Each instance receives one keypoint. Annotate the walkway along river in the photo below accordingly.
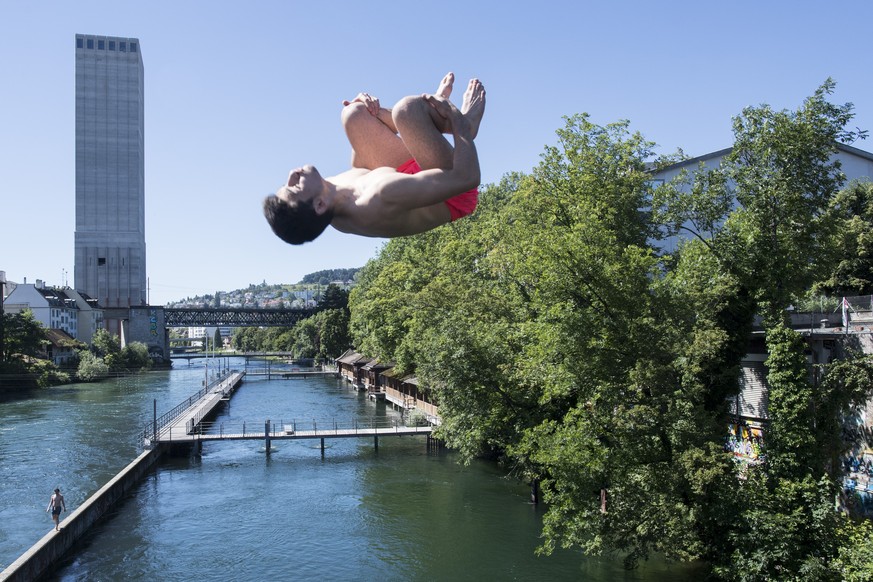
(397, 512)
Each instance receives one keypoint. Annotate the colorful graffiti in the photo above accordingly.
(153, 321)
(858, 483)
(745, 442)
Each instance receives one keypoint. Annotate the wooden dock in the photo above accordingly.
(185, 420)
(186, 424)
(288, 374)
(283, 431)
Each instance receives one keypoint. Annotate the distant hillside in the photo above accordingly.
(328, 275)
(281, 295)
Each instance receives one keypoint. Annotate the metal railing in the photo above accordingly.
(312, 428)
(153, 428)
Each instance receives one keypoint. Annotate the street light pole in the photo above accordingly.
(2, 316)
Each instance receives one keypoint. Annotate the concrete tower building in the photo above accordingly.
(110, 259)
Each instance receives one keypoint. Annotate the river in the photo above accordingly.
(399, 512)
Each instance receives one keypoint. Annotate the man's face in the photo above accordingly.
(304, 184)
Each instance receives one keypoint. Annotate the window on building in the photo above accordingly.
(90, 43)
(80, 43)
(101, 261)
(122, 46)
(133, 47)
(112, 45)
(101, 45)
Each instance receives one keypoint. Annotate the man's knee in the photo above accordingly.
(414, 110)
(409, 108)
(355, 113)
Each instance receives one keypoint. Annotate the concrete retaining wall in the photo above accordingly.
(43, 556)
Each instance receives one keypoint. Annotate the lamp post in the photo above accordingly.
(2, 316)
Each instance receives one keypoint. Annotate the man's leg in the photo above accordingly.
(422, 128)
(374, 144)
(374, 140)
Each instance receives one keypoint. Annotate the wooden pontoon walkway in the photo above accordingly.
(280, 373)
(281, 432)
(186, 424)
(186, 419)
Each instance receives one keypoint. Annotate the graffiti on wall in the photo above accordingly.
(745, 443)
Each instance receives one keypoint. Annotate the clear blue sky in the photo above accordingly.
(238, 93)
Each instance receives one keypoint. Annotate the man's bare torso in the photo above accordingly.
(372, 214)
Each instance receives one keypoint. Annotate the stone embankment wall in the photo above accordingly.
(43, 556)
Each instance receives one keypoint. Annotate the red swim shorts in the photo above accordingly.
(459, 206)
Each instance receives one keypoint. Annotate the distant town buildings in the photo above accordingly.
(66, 314)
(265, 297)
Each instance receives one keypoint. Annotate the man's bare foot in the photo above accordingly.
(473, 107)
(446, 85)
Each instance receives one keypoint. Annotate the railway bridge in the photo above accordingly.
(150, 324)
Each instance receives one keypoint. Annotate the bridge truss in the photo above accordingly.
(206, 317)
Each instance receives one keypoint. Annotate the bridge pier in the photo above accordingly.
(267, 436)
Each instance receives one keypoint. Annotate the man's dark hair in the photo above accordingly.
(295, 224)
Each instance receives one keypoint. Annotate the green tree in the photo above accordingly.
(557, 339)
(853, 270)
(24, 336)
(91, 367)
(334, 334)
(780, 182)
(134, 356)
(245, 339)
(334, 297)
(541, 326)
(306, 339)
(854, 562)
(107, 347)
(21, 363)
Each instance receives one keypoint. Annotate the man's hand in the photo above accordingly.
(371, 102)
(455, 120)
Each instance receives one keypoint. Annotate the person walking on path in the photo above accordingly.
(56, 505)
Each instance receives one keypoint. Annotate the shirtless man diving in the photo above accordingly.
(406, 178)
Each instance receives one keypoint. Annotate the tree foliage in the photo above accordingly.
(852, 273)
(325, 276)
(106, 356)
(324, 335)
(559, 339)
(24, 336)
(91, 367)
(21, 361)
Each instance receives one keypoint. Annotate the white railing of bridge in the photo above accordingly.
(313, 428)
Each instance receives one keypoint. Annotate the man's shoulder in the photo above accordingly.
(349, 176)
